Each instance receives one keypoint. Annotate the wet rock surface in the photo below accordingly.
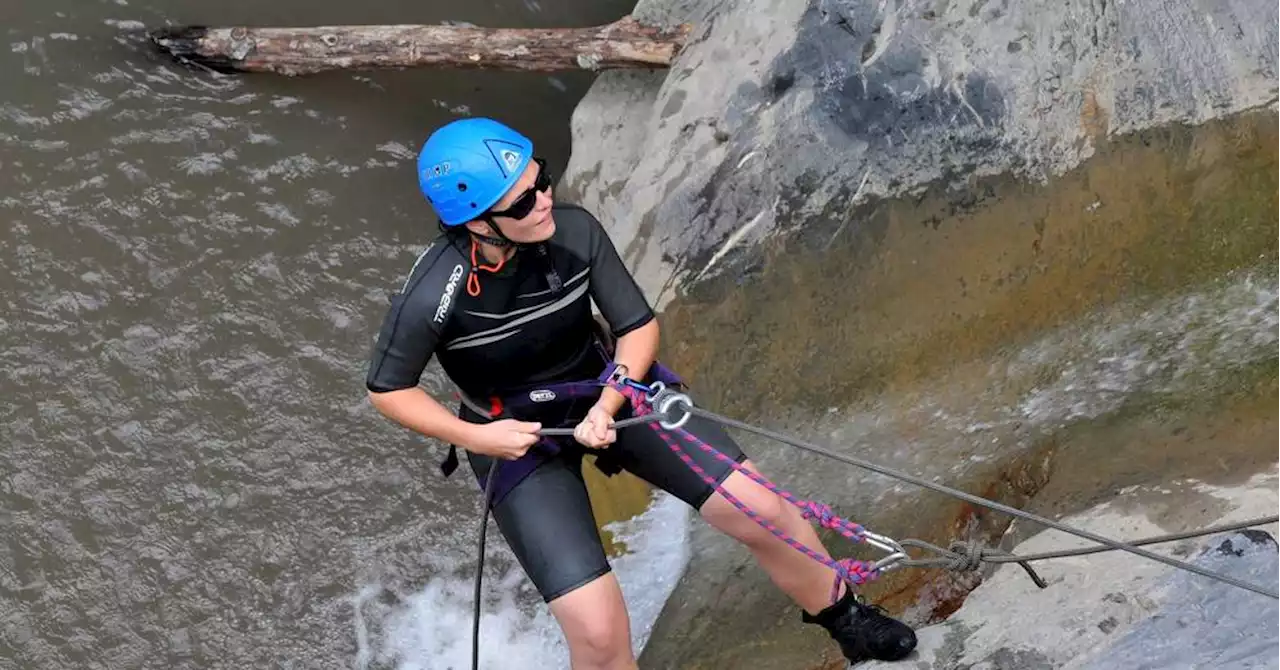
(779, 112)
(969, 240)
(1115, 610)
(1029, 334)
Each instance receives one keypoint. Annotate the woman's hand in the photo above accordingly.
(507, 439)
(595, 430)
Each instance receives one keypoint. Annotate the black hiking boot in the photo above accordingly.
(864, 632)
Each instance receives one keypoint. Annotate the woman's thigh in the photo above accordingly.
(644, 451)
(546, 520)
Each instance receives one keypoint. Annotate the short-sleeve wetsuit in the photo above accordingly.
(530, 325)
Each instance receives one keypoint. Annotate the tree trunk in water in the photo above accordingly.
(299, 51)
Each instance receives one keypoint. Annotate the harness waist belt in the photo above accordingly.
(517, 402)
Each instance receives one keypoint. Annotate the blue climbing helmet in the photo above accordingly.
(468, 165)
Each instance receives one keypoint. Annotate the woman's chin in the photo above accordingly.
(543, 230)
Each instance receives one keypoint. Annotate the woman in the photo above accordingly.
(503, 298)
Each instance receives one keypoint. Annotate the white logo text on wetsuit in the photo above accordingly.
(447, 296)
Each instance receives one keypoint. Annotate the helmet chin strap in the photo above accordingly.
(501, 240)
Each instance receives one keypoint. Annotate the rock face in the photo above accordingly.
(857, 215)
(780, 111)
(1117, 611)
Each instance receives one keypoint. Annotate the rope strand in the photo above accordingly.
(851, 571)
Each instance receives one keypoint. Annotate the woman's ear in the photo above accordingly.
(480, 228)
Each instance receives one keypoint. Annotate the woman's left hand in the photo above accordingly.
(595, 432)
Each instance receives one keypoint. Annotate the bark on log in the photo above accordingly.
(300, 51)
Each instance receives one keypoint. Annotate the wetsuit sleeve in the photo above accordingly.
(613, 289)
(405, 343)
(415, 319)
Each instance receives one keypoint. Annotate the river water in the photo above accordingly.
(194, 270)
(195, 266)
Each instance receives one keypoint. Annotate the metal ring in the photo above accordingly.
(664, 406)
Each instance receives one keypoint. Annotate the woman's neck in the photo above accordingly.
(495, 254)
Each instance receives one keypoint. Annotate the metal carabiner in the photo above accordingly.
(655, 389)
(885, 543)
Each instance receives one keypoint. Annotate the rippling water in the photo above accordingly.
(194, 267)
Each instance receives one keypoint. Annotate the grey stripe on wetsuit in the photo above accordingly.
(508, 329)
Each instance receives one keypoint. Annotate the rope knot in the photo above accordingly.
(854, 572)
(827, 518)
(810, 509)
(858, 572)
(968, 555)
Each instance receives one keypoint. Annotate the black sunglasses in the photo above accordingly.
(521, 206)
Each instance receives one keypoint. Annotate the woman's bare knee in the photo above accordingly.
(603, 640)
(595, 624)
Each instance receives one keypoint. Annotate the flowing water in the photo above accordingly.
(194, 269)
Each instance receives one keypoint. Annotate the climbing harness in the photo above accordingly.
(659, 403)
(517, 403)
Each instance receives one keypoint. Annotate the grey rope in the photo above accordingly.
(492, 476)
(656, 417)
(961, 556)
(633, 421)
(990, 504)
(965, 556)
(972, 554)
(1001, 557)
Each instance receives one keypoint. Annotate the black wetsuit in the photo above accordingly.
(529, 328)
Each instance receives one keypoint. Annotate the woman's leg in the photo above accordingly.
(807, 581)
(546, 520)
(595, 624)
(643, 451)
(861, 631)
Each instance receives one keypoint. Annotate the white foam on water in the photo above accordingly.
(397, 150)
(431, 629)
(125, 24)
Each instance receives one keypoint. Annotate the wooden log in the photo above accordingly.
(300, 51)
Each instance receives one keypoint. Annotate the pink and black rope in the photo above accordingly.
(849, 570)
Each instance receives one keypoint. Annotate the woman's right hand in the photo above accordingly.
(507, 439)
